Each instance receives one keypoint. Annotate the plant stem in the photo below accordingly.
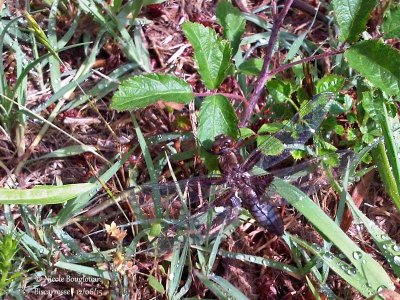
(259, 86)
(307, 59)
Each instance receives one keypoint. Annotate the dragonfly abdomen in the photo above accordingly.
(268, 217)
(265, 213)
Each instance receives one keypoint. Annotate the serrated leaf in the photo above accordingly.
(377, 62)
(252, 66)
(352, 16)
(45, 194)
(246, 132)
(211, 54)
(155, 284)
(330, 83)
(144, 90)
(280, 90)
(391, 23)
(232, 21)
(217, 116)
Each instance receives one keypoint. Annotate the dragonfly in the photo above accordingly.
(243, 185)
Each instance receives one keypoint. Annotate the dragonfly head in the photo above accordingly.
(223, 144)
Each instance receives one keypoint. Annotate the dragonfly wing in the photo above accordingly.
(292, 134)
(195, 188)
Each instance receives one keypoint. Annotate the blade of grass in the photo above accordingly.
(332, 232)
(42, 195)
(177, 264)
(393, 156)
(388, 247)
(66, 215)
(150, 167)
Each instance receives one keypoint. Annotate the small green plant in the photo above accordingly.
(9, 247)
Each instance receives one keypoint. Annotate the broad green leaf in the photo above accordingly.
(280, 90)
(352, 16)
(252, 66)
(216, 116)
(45, 194)
(211, 54)
(232, 21)
(391, 23)
(377, 62)
(144, 90)
(155, 284)
(330, 83)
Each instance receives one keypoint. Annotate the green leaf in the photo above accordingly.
(377, 62)
(232, 21)
(246, 132)
(144, 90)
(155, 230)
(391, 23)
(45, 194)
(216, 116)
(352, 16)
(369, 104)
(330, 83)
(252, 66)
(351, 134)
(280, 90)
(211, 54)
(339, 129)
(155, 284)
(275, 146)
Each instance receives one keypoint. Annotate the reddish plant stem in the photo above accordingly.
(307, 59)
(227, 95)
(259, 86)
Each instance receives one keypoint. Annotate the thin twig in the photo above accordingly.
(259, 86)
(307, 59)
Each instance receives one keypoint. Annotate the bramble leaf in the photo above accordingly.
(377, 62)
(211, 54)
(144, 90)
(352, 16)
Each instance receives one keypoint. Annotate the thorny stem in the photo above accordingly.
(259, 87)
(307, 59)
